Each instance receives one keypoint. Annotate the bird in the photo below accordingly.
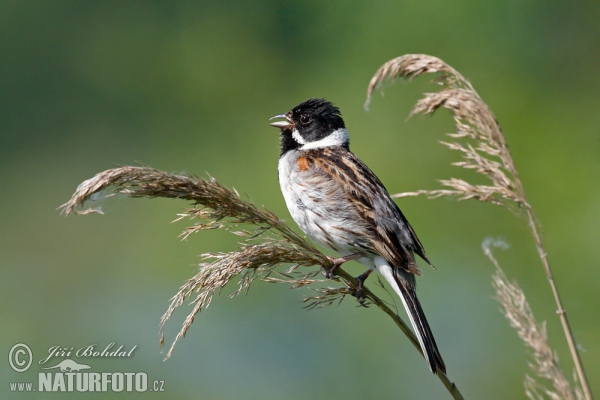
(340, 203)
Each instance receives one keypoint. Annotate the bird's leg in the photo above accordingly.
(360, 287)
(337, 262)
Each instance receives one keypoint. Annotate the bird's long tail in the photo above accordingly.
(405, 286)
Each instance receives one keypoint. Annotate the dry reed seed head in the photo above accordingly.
(411, 66)
(520, 316)
(473, 119)
(327, 297)
(251, 262)
(217, 207)
(488, 153)
(214, 203)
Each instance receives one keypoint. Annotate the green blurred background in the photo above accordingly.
(189, 86)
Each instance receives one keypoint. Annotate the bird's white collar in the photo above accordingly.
(338, 137)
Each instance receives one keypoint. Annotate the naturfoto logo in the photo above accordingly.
(63, 374)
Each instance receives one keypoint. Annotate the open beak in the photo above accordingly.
(281, 124)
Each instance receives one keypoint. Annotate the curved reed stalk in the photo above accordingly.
(483, 148)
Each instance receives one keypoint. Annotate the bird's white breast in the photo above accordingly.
(315, 206)
(286, 177)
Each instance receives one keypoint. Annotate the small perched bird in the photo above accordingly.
(340, 203)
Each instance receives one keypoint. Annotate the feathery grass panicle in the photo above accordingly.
(215, 201)
(216, 207)
(269, 244)
(478, 138)
(250, 262)
(545, 361)
(326, 297)
(483, 148)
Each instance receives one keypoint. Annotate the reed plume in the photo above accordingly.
(482, 145)
(516, 309)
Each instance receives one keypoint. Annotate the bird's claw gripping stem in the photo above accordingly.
(358, 293)
(336, 262)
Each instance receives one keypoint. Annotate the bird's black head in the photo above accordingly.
(312, 124)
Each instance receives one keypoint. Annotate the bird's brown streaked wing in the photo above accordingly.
(389, 233)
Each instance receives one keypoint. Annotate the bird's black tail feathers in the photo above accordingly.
(407, 291)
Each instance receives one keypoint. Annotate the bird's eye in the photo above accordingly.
(305, 119)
